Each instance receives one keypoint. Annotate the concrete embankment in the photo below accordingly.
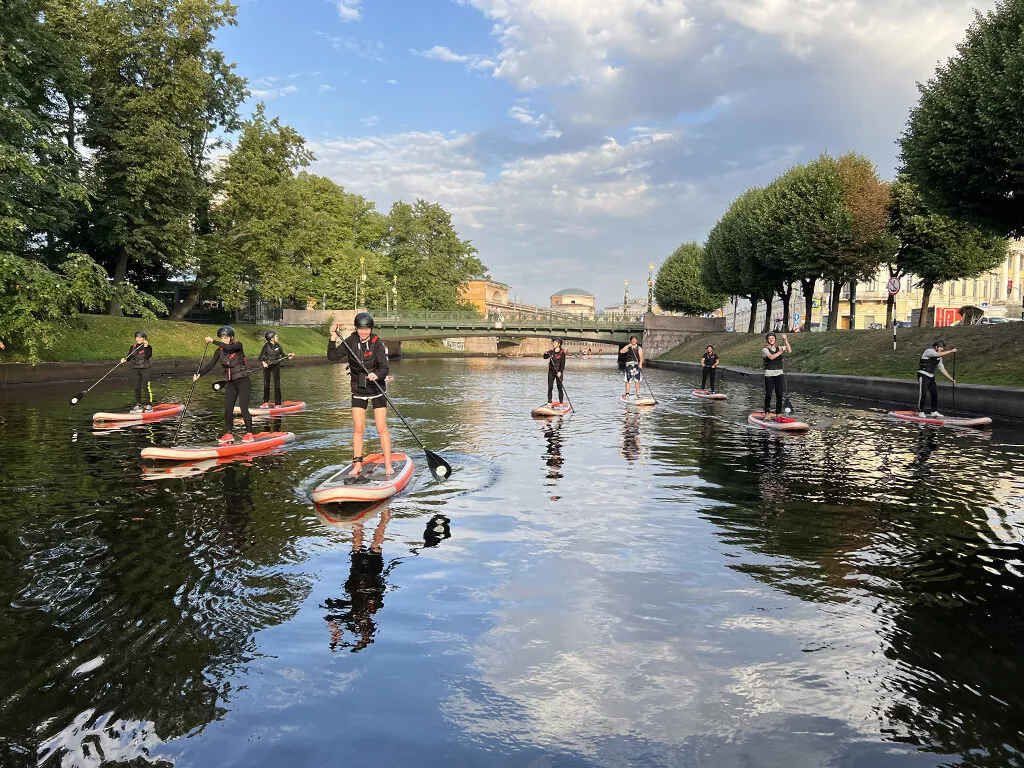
(1002, 402)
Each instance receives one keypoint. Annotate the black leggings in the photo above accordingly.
(274, 372)
(237, 390)
(552, 380)
(704, 377)
(927, 384)
(773, 383)
(141, 377)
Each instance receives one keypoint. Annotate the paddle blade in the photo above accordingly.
(218, 385)
(75, 400)
(787, 406)
(439, 468)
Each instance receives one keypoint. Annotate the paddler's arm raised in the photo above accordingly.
(335, 350)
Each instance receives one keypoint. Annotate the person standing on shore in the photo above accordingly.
(771, 357)
(634, 358)
(931, 361)
(139, 359)
(231, 357)
(709, 364)
(368, 369)
(556, 367)
(271, 357)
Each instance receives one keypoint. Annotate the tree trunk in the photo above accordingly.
(119, 272)
(853, 305)
(926, 297)
(768, 312)
(808, 288)
(833, 312)
(179, 312)
(753, 313)
(890, 308)
(787, 294)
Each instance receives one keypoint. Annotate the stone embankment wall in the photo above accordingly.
(665, 332)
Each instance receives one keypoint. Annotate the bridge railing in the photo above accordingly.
(462, 319)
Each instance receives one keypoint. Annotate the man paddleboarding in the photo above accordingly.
(139, 359)
(556, 367)
(771, 358)
(708, 364)
(368, 368)
(634, 358)
(231, 357)
(931, 361)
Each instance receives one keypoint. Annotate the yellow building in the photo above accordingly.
(575, 300)
(485, 295)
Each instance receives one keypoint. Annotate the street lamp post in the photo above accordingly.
(625, 299)
(650, 288)
(394, 293)
(362, 277)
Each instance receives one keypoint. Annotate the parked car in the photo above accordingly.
(902, 323)
(875, 326)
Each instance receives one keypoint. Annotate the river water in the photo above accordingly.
(666, 587)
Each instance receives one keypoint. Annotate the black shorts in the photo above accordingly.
(369, 401)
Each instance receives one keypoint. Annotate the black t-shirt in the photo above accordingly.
(710, 359)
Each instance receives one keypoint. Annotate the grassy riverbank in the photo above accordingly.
(988, 354)
(108, 338)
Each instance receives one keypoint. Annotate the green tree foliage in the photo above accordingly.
(159, 93)
(962, 146)
(678, 287)
(936, 248)
(431, 261)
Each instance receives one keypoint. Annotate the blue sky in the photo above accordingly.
(576, 142)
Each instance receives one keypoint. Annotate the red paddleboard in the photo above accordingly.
(941, 421)
(288, 406)
(779, 423)
(158, 412)
(548, 410)
(262, 442)
(707, 394)
(369, 485)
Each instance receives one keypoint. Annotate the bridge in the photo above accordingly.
(417, 325)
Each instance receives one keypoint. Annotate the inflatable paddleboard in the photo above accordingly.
(547, 410)
(639, 400)
(941, 421)
(707, 394)
(369, 485)
(288, 406)
(159, 412)
(344, 514)
(779, 423)
(262, 442)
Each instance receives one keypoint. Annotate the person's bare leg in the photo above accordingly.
(358, 426)
(380, 418)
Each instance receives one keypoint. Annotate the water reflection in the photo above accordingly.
(553, 453)
(630, 447)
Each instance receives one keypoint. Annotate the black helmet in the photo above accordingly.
(769, 335)
(938, 343)
(141, 335)
(364, 320)
(557, 340)
(225, 330)
(269, 335)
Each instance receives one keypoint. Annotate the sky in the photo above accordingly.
(577, 141)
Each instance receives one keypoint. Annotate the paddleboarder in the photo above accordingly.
(231, 357)
(634, 358)
(709, 364)
(556, 367)
(139, 362)
(271, 357)
(368, 383)
(771, 357)
(931, 361)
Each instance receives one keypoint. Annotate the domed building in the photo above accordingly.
(575, 300)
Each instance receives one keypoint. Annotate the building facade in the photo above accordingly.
(575, 300)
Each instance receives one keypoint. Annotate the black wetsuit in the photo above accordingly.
(141, 368)
(773, 382)
(231, 359)
(374, 358)
(272, 355)
(556, 366)
(710, 360)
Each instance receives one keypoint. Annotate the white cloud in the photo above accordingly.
(370, 121)
(442, 53)
(363, 49)
(273, 93)
(324, 88)
(392, 82)
(522, 115)
(348, 10)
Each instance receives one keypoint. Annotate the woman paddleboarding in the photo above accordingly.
(230, 356)
(271, 356)
(556, 368)
(771, 356)
(709, 364)
(139, 359)
(368, 368)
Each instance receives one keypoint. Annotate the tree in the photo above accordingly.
(678, 287)
(936, 248)
(962, 145)
(159, 96)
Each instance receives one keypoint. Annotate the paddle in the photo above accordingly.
(187, 399)
(787, 407)
(642, 377)
(217, 386)
(953, 409)
(77, 398)
(439, 468)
